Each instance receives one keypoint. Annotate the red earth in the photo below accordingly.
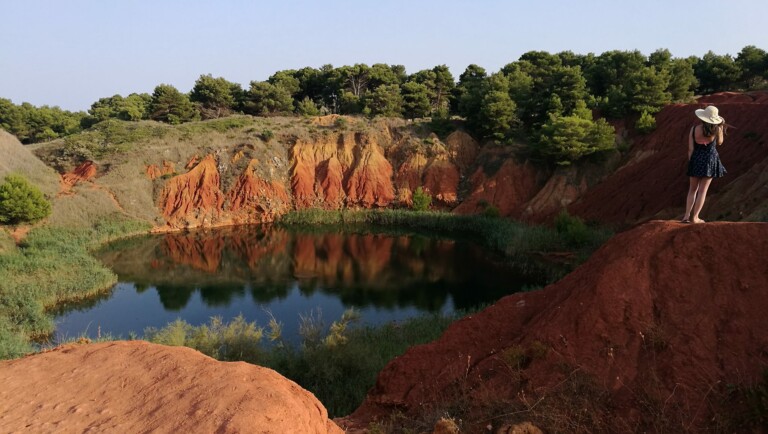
(141, 387)
(650, 330)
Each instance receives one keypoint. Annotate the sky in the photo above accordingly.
(71, 53)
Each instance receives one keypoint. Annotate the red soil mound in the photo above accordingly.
(508, 189)
(653, 182)
(84, 172)
(254, 200)
(661, 318)
(437, 174)
(463, 149)
(142, 387)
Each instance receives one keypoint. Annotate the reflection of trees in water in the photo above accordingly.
(174, 297)
(362, 269)
(221, 295)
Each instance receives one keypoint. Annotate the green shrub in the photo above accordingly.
(51, 266)
(236, 340)
(7, 243)
(307, 107)
(421, 200)
(491, 211)
(646, 123)
(13, 342)
(572, 228)
(21, 202)
(338, 364)
(267, 135)
(566, 139)
(341, 123)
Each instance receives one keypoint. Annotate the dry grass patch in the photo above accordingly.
(16, 158)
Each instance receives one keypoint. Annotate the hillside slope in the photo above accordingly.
(17, 158)
(250, 170)
(648, 333)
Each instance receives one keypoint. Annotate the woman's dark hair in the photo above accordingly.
(708, 129)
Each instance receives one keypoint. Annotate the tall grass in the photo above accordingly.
(338, 364)
(506, 236)
(51, 266)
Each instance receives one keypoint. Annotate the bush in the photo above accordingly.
(338, 364)
(21, 202)
(572, 229)
(51, 266)
(267, 135)
(421, 200)
(341, 123)
(646, 123)
(307, 107)
(491, 211)
(236, 340)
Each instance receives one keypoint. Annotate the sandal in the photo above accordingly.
(685, 221)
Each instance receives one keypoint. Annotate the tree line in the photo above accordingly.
(549, 100)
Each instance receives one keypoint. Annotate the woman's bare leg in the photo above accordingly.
(701, 195)
(693, 185)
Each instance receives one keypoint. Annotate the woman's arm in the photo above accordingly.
(690, 143)
(719, 133)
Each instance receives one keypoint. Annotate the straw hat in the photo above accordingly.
(709, 115)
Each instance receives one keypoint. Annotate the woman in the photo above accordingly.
(703, 160)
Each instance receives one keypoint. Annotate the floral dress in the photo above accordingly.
(705, 161)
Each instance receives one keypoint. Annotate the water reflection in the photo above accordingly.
(361, 269)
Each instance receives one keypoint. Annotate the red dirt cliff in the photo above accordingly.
(663, 313)
(194, 198)
(349, 170)
(82, 173)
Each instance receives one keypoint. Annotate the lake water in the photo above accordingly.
(260, 271)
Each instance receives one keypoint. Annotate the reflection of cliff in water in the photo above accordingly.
(361, 269)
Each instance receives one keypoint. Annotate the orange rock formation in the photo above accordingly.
(438, 168)
(84, 172)
(154, 172)
(254, 200)
(195, 198)
(508, 189)
(351, 170)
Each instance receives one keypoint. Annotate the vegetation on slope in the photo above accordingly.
(51, 266)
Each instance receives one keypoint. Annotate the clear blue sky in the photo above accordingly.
(71, 52)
